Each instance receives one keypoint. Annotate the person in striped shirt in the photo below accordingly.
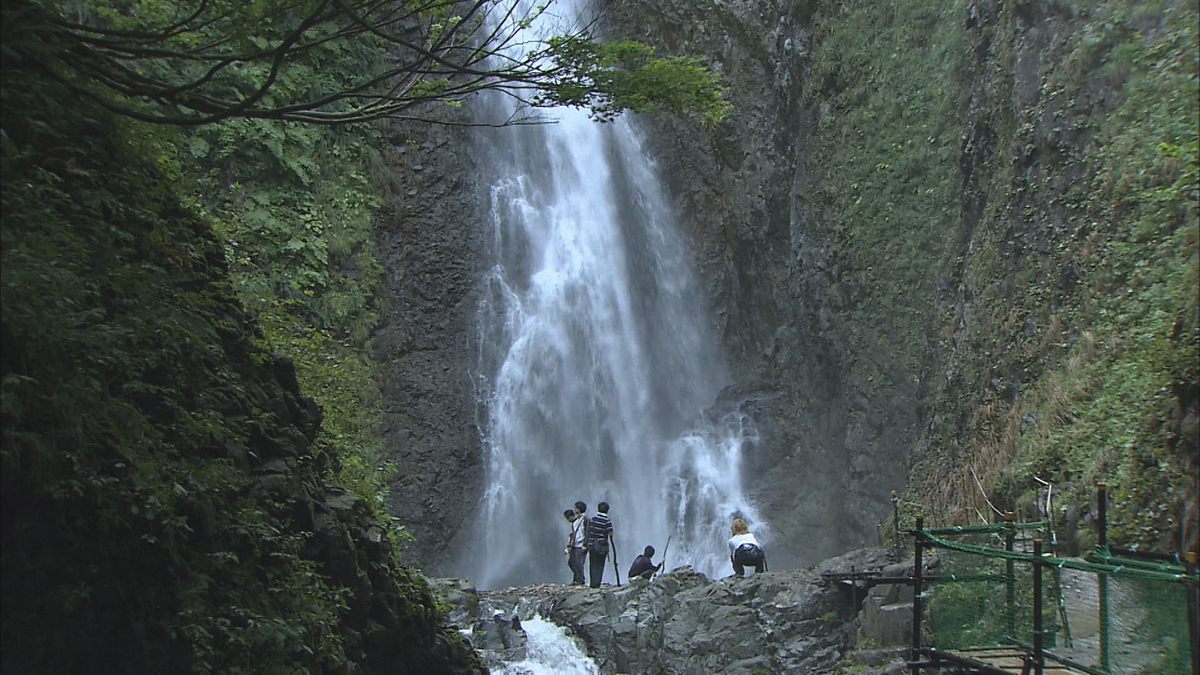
(600, 532)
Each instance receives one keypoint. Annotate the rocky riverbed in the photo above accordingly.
(683, 623)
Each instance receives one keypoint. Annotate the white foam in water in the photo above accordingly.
(550, 651)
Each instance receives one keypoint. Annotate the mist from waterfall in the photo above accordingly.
(596, 362)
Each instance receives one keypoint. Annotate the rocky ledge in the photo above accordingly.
(791, 621)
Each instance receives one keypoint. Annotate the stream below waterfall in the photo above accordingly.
(549, 650)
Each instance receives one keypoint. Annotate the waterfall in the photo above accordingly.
(596, 361)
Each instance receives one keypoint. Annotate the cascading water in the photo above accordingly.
(550, 650)
(596, 361)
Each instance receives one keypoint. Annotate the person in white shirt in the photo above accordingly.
(578, 545)
(569, 514)
(745, 551)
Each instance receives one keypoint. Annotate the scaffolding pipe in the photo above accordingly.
(1193, 608)
(895, 527)
(1009, 576)
(1102, 581)
(918, 542)
(1039, 656)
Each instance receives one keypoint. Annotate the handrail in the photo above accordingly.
(1123, 569)
(993, 528)
(1103, 561)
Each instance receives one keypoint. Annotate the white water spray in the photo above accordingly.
(596, 362)
(550, 651)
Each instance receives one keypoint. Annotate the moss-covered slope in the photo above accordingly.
(163, 505)
(954, 246)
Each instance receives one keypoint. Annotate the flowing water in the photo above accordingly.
(550, 650)
(596, 361)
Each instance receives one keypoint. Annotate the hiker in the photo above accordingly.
(600, 532)
(578, 544)
(569, 515)
(643, 566)
(745, 550)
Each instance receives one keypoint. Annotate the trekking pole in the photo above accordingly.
(662, 564)
(616, 570)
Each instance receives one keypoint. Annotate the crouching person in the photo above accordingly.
(745, 551)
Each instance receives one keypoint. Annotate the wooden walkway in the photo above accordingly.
(997, 661)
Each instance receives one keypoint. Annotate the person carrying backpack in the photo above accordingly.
(600, 532)
(745, 551)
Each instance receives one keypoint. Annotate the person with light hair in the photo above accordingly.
(745, 551)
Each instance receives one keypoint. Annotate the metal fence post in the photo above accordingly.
(1102, 580)
(1193, 606)
(918, 542)
(895, 527)
(1039, 658)
(1010, 536)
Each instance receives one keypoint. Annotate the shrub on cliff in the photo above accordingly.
(163, 509)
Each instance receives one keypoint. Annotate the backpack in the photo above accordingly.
(597, 536)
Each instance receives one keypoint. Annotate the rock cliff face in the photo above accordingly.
(911, 228)
(838, 412)
(432, 250)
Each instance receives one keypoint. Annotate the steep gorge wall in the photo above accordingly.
(913, 229)
(166, 507)
(798, 307)
(947, 255)
(433, 248)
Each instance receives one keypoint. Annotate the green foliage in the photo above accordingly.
(126, 402)
(1107, 399)
(198, 62)
(163, 504)
(888, 136)
(1083, 332)
(610, 77)
(1064, 216)
(299, 232)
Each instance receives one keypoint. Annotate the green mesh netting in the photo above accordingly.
(1105, 614)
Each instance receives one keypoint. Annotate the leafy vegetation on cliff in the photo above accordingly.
(1037, 195)
(164, 508)
(294, 207)
(130, 397)
(892, 107)
(1119, 345)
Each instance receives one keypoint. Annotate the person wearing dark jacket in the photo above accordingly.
(643, 566)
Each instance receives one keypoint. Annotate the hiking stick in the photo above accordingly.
(662, 564)
(616, 570)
